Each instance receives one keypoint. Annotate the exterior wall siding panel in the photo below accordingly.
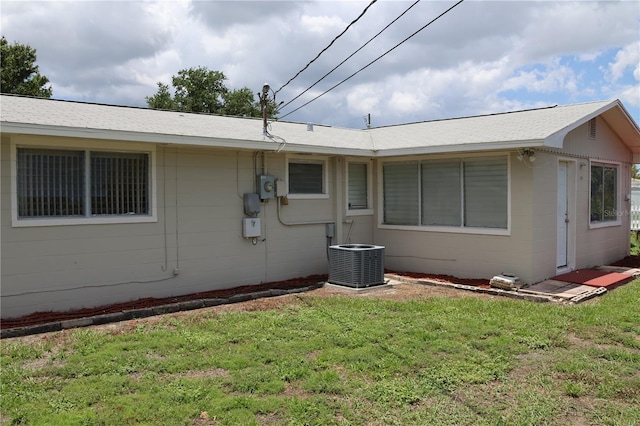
(199, 196)
(199, 176)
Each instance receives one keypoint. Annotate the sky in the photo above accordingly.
(481, 57)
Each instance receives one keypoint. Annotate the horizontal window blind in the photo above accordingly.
(306, 177)
(358, 186)
(441, 193)
(485, 192)
(468, 192)
(50, 183)
(401, 205)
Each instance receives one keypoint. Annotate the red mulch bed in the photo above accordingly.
(47, 317)
(629, 262)
(148, 302)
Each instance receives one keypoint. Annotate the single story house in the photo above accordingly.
(103, 204)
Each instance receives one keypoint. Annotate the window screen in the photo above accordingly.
(119, 183)
(50, 183)
(55, 182)
(306, 177)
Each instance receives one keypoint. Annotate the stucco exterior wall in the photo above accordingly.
(530, 249)
(468, 255)
(195, 245)
(588, 246)
(598, 246)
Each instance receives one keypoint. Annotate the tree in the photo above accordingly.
(199, 90)
(19, 72)
(162, 99)
(202, 90)
(241, 102)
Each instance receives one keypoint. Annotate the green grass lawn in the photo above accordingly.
(635, 244)
(340, 360)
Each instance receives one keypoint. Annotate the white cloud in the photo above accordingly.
(484, 56)
(364, 99)
(322, 25)
(549, 78)
(402, 102)
(630, 96)
(627, 57)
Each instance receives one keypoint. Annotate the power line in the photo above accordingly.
(374, 61)
(326, 48)
(350, 56)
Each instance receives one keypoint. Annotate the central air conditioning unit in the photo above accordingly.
(356, 265)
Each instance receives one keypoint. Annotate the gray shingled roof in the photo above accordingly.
(530, 128)
(77, 119)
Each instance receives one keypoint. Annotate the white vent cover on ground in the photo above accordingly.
(356, 265)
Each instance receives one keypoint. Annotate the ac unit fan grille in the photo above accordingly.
(356, 265)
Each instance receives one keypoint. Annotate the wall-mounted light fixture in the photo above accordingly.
(527, 154)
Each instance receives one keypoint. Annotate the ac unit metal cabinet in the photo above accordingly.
(356, 265)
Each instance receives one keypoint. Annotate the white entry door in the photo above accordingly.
(563, 215)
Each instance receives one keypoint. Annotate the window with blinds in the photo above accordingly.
(119, 183)
(50, 183)
(357, 186)
(400, 198)
(485, 192)
(468, 192)
(441, 195)
(306, 177)
(72, 183)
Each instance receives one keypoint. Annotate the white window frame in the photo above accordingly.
(71, 144)
(369, 209)
(618, 167)
(446, 229)
(311, 159)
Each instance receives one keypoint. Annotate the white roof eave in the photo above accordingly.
(442, 149)
(556, 140)
(176, 139)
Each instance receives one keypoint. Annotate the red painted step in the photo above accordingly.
(595, 278)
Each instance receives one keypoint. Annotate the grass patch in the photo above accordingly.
(340, 360)
(635, 244)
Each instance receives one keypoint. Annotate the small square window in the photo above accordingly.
(307, 177)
